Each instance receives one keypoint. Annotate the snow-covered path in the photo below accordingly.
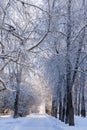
(32, 122)
(40, 122)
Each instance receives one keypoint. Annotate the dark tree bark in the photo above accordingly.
(82, 83)
(63, 109)
(79, 102)
(18, 80)
(60, 107)
(71, 110)
(69, 107)
(83, 112)
(16, 105)
(76, 96)
(54, 108)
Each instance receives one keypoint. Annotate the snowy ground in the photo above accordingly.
(40, 122)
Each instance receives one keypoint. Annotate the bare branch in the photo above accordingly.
(79, 33)
(45, 35)
(41, 40)
(5, 86)
(2, 68)
(13, 33)
(25, 3)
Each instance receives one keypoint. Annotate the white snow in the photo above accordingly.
(40, 122)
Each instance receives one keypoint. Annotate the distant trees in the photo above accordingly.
(56, 69)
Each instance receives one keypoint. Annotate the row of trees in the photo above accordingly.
(44, 44)
(22, 29)
(69, 62)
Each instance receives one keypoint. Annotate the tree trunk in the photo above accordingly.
(78, 111)
(76, 97)
(16, 105)
(63, 109)
(82, 82)
(71, 110)
(18, 80)
(83, 112)
(60, 107)
(54, 108)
